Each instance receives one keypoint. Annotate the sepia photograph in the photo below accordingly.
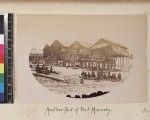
(79, 70)
(86, 56)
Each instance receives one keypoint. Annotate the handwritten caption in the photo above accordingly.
(146, 110)
(76, 110)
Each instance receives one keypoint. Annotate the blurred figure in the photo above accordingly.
(108, 76)
(85, 75)
(81, 81)
(98, 75)
(119, 76)
(104, 76)
(82, 74)
(93, 75)
(89, 76)
(115, 76)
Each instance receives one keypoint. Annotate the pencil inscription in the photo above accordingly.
(77, 110)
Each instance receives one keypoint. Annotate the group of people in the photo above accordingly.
(100, 75)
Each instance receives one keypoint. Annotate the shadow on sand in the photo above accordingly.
(95, 94)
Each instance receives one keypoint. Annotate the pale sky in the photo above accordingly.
(38, 30)
(44, 29)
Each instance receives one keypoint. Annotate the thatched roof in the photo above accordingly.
(116, 49)
(57, 47)
(76, 48)
(57, 44)
(100, 45)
